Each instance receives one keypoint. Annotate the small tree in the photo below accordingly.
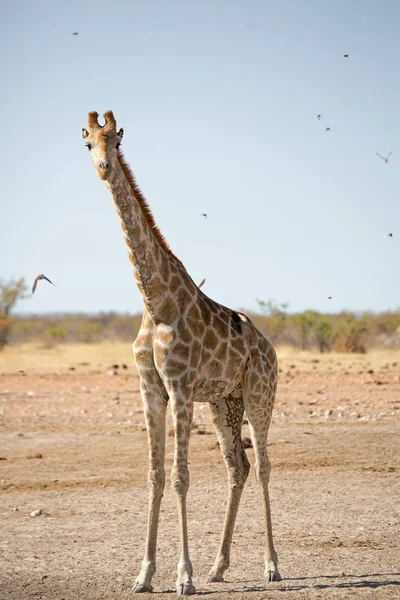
(355, 338)
(305, 322)
(276, 317)
(350, 334)
(324, 333)
(10, 293)
(55, 334)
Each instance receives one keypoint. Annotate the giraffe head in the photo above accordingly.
(103, 142)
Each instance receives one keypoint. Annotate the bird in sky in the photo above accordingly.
(390, 235)
(329, 297)
(346, 55)
(328, 129)
(76, 33)
(204, 215)
(38, 278)
(385, 159)
(201, 283)
(319, 117)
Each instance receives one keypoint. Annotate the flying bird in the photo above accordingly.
(329, 297)
(201, 283)
(385, 159)
(76, 33)
(204, 215)
(390, 235)
(328, 129)
(38, 278)
(319, 117)
(346, 55)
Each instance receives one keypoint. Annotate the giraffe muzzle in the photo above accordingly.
(103, 170)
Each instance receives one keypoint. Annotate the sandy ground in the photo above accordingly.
(73, 443)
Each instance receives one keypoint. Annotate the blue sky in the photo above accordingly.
(219, 102)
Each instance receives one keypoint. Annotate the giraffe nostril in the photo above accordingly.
(104, 165)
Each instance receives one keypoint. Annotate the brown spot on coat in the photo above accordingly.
(239, 345)
(196, 327)
(194, 313)
(183, 298)
(210, 340)
(205, 355)
(174, 368)
(174, 283)
(205, 311)
(220, 326)
(169, 308)
(184, 332)
(181, 350)
(195, 354)
(222, 352)
(217, 370)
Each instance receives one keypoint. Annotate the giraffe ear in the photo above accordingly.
(85, 133)
(121, 133)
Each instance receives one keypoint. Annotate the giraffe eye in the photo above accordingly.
(118, 145)
(89, 147)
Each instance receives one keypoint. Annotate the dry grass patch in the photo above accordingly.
(34, 358)
(377, 359)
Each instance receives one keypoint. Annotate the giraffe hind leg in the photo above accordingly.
(227, 415)
(258, 404)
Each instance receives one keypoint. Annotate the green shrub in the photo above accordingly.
(305, 322)
(88, 332)
(323, 333)
(55, 334)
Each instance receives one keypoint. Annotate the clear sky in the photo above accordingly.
(219, 102)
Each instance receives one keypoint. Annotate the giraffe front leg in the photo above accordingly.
(155, 412)
(182, 412)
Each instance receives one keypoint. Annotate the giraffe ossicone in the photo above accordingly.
(189, 348)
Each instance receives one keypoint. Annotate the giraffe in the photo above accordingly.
(189, 348)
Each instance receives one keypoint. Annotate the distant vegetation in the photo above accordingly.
(71, 328)
(343, 332)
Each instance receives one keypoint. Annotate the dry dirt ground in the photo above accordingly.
(73, 443)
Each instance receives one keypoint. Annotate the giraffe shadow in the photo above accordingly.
(290, 585)
(319, 582)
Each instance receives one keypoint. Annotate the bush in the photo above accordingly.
(55, 334)
(276, 317)
(350, 334)
(323, 333)
(305, 322)
(88, 332)
(10, 293)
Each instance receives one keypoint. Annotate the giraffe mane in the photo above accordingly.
(131, 179)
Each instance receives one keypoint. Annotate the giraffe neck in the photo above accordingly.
(157, 271)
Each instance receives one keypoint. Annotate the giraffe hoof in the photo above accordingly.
(185, 589)
(138, 588)
(215, 578)
(272, 576)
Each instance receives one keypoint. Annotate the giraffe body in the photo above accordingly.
(189, 348)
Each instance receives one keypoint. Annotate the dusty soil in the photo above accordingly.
(73, 443)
